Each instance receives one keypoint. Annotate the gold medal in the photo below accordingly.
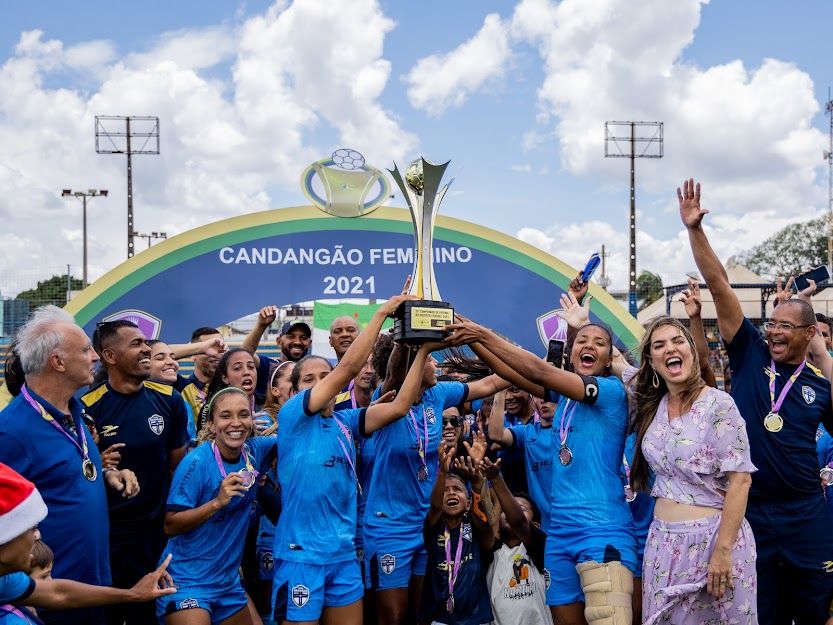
(88, 469)
(773, 422)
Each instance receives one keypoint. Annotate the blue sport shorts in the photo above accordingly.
(301, 591)
(391, 561)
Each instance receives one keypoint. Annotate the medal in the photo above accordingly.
(773, 422)
(565, 454)
(826, 475)
(449, 605)
(422, 474)
(248, 476)
(88, 469)
(452, 566)
(630, 495)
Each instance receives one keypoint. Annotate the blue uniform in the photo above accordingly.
(642, 508)
(206, 559)
(315, 553)
(824, 449)
(15, 587)
(265, 543)
(513, 465)
(398, 501)
(590, 519)
(41, 454)
(786, 508)
(536, 444)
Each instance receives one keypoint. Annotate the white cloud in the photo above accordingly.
(441, 81)
(239, 107)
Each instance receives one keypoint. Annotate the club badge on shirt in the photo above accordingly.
(156, 423)
(808, 394)
(300, 595)
(387, 563)
(188, 604)
(430, 415)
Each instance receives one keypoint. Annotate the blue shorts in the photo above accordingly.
(265, 564)
(569, 546)
(221, 602)
(301, 591)
(391, 561)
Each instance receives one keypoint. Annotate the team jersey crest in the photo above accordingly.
(300, 595)
(157, 424)
(387, 563)
(808, 394)
(187, 604)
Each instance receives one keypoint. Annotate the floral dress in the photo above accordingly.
(690, 456)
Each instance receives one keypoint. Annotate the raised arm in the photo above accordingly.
(381, 414)
(693, 305)
(497, 432)
(525, 363)
(729, 311)
(211, 347)
(505, 372)
(435, 508)
(265, 318)
(354, 359)
(511, 508)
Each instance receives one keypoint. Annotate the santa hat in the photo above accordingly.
(21, 506)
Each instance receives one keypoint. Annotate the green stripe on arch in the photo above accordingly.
(244, 229)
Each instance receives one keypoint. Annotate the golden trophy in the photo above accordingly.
(424, 319)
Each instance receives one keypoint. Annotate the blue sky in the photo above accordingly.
(514, 93)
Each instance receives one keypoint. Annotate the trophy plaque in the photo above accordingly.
(424, 319)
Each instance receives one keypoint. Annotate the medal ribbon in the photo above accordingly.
(219, 460)
(627, 469)
(776, 406)
(51, 420)
(563, 432)
(352, 394)
(455, 564)
(419, 440)
(348, 456)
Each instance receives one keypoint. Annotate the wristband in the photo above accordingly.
(476, 508)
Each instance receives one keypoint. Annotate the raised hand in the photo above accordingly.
(807, 294)
(489, 469)
(407, 285)
(574, 313)
(785, 293)
(267, 316)
(477, 450)
(578, 288)
(464, 332)
(691, 299)
(446, 458)
(390, 306)
(232, 486)
(689, 199)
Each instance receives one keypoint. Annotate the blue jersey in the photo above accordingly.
(366, 454)
(642, 508)
(536, 444)
(397, 499)
(824, 449)
(786, 460)
(318, 487)
(151, 423)
(15, 587)
(588, 491)
(209, 555)
(77, 527)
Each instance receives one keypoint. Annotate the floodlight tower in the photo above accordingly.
(828, 156)
(647, 144)
(115, 135)
(83, 196)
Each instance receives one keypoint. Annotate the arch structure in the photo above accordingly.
(223, 271)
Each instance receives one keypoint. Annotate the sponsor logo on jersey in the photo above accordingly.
(387, 563)
(156, 423)
(188, 604)
(808, 394)
(300, 595)
(109, 430)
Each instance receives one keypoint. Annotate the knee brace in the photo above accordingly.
(607, 593)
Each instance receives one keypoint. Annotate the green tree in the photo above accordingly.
(790, 251)
(648, 288)
(51, 291)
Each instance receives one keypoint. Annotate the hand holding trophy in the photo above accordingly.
(424, 319)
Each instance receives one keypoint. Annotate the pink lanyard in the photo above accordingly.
(352, 394)
(348, 456)
(13, 610)
(453, 566)
(776, 406)
(219, 460)
(51, 420)
(422, 445)
(563, 431)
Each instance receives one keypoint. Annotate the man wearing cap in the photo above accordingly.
(294, 341)
(43, 437)
(21, 510)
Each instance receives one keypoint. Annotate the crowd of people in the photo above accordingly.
(494, 487)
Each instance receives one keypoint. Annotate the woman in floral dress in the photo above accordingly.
(700, 554)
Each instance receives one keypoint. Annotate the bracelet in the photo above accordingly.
(107, 470)
(476, 508)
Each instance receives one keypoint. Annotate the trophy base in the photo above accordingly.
(419, 321)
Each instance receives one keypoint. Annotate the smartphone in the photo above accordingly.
(817, 275)
(590, 267)
(555, 352)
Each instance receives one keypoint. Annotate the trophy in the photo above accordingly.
(422, 320)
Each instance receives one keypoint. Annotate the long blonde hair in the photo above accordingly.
(648, 396)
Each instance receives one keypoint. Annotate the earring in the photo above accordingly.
(655, 381)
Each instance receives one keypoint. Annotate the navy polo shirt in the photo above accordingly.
(151, 423)
(787, 462)
(77, 526)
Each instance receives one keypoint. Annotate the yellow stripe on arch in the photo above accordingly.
(245, 228)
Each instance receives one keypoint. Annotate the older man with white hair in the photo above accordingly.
(43, 437)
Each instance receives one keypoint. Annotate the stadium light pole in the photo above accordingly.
(647, 144)
(828, 156)
(83, 196)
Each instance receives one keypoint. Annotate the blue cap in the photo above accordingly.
(295, 322)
